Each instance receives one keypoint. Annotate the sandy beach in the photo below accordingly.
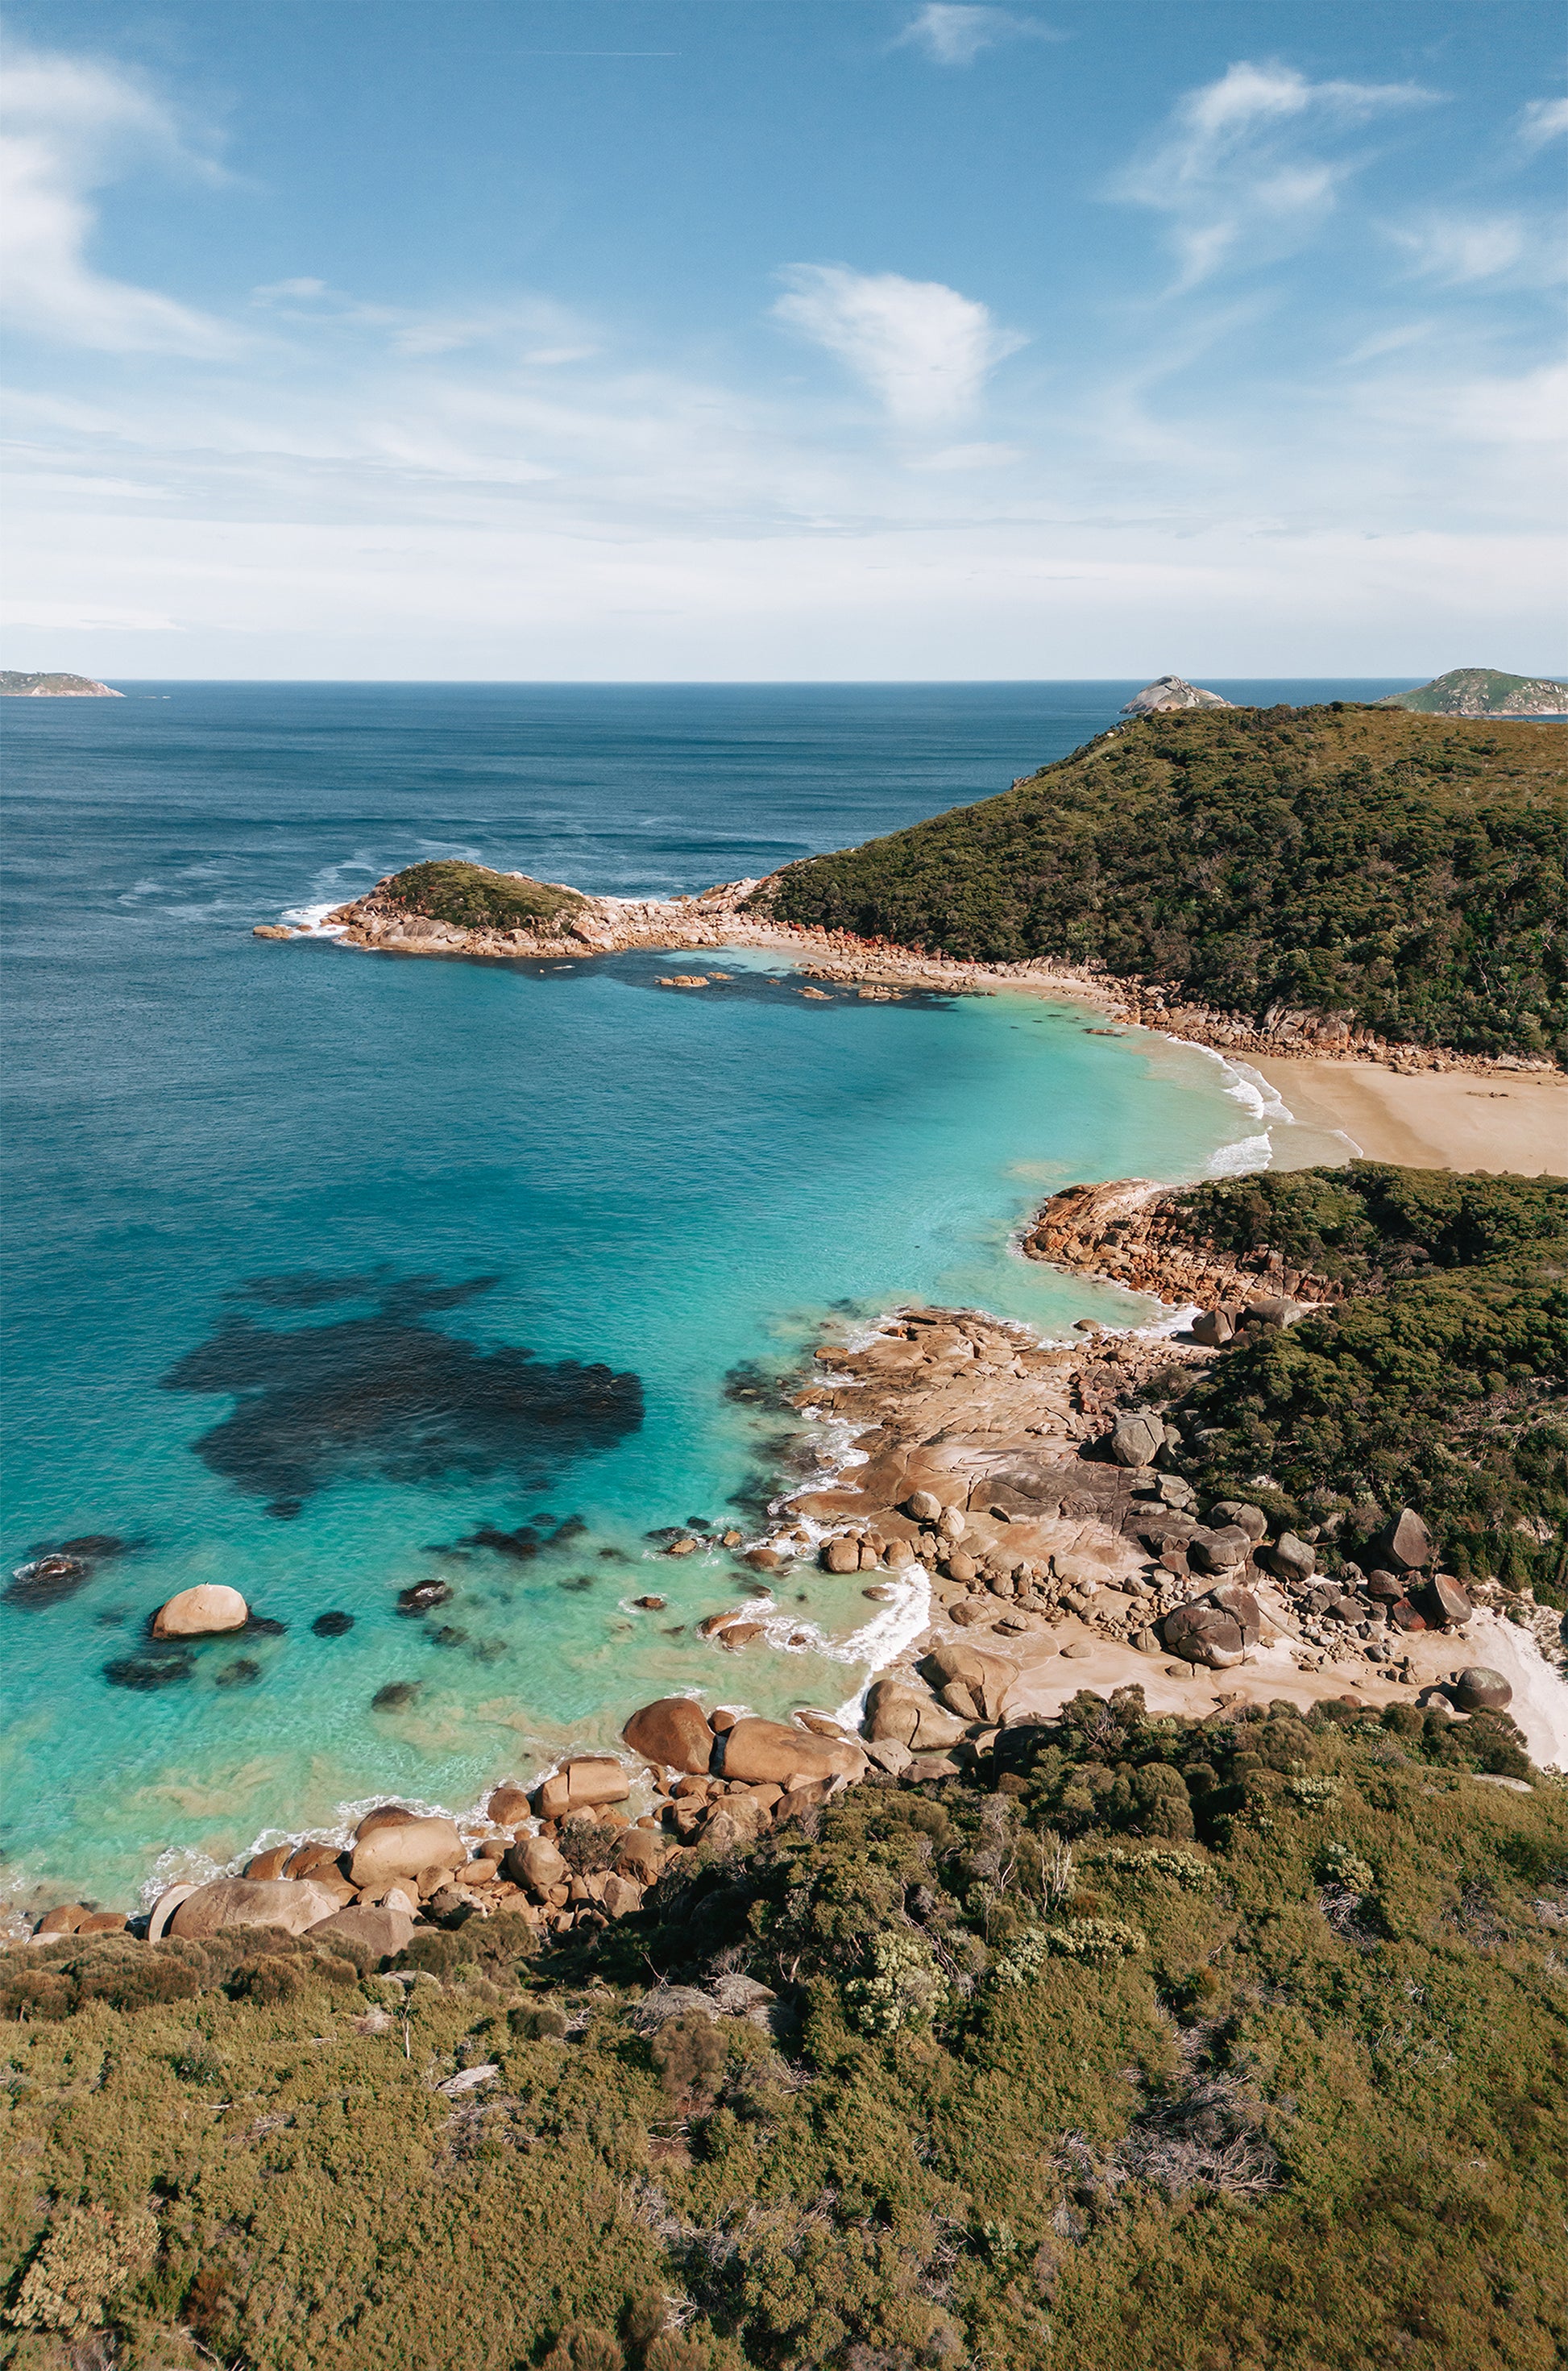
(1436, 1119)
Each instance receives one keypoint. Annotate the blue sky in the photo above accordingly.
(784, 339)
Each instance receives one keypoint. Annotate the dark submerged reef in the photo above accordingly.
(391, 1394)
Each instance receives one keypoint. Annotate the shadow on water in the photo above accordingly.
(386, 1396)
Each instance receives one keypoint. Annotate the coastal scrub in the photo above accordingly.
(1306, 2111)
(1402, 871)
(473, 898)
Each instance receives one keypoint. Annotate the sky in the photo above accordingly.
(783, 340)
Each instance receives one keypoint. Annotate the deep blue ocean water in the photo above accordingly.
(321, 1265)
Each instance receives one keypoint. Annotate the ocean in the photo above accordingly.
(335, 1277)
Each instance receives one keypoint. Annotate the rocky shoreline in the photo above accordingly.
(1028, 1488)
(732, 914)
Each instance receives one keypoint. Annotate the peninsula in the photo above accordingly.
(1364, 896)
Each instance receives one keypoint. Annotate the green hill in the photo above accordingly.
(1403, 869)
(1481, 691)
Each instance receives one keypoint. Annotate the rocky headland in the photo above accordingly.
(575, 924)
(1171, 691)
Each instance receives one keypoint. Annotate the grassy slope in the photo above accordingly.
(1315, 2123)
(1442, 1382)
(1407, 869)
(474, 898)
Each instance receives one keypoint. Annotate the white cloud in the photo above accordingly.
(923, 350)
(534, 330)
(1235, 170)
(1457, 250)
(70, 126)
(1529, 410)
(970, 456)
(953, 36)
(1543, 119)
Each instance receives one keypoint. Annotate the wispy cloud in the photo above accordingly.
(924, 351)
(1455, 250)
(1241, 169)
(1543, 119)
(955, 36)
(71, 126)
(535, 331)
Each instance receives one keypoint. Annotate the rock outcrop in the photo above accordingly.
(674, 1733)
(1171, 691)
(1133, 1231)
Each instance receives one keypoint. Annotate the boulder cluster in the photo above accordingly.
(565, 1853)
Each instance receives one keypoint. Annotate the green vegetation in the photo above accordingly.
(1441, 1381)
(1164, 2046)
(1403, 870)
(477, 899)
(1481, 691)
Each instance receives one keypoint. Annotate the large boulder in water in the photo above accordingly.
(582, 1785)
(202, 1613)
(293, 1903)
(674, 1733)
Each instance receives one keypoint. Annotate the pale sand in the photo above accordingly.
(1433, 1119)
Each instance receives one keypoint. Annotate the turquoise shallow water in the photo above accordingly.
(282, 1221)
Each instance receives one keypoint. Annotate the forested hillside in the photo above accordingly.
(1407, 871)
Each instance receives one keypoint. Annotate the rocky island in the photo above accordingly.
(15, 685)
(1482, 691)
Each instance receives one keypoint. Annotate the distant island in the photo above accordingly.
(1482, 691)
(1171, 691)
(13, 685)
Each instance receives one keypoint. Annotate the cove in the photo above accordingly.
(332, 1272)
